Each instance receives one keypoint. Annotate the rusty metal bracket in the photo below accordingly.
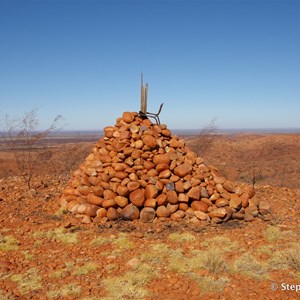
(144, 99)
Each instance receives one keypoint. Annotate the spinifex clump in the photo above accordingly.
(138, 170)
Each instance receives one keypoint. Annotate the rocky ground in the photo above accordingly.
(46, 253)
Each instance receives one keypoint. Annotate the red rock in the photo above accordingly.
(162, 199)
(109, 131)
(199, 205)
(147, 214)
(101, 212)
(179, 186)
(84, 190)
(137, 197)
(112, 214)
(166, 132)
(264, 207)
(162, 159)
(133, 185)
(108, 194)
(149, 141)
(178, 215)
(161, 167)
(109, 203)
(123, 190)
(183, 206)
(228, 186)
(194, 193)
(128, 117)
(150, 203)
(201, 215)
(165, 174)
(148, 165)
(172, 197)
(218, 213)
(183, 198)
(130, 213)
(172, 207)
(86, 219)
(121, 201)
(221, 202)
(93, 199)
(251, 210)
(235, 202)
(121, 175)
(245, 199)
(151, 191)
(183, 169)
(162, 211)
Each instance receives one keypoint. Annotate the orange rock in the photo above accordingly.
(109, 203)
(149, 141)
(137, 197)
(151, 191)
(93, 199)
(108, 194)
(199, 205)
(133, 185)
(172, 197)
(147, 214)
(121, 201)
(218, 213)
(194, 193)
(128, 117)
(123, 190)
(161, 167)
(162, 159)
(221, 202)
(162, 211)
(130, 212)
(150, 203)
(161, 199)
(113, 214)
(183, 169)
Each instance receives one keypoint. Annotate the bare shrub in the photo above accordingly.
(23, 140)
(205, 139)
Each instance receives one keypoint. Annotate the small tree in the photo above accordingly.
(22, 139)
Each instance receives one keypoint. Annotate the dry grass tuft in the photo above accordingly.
(8, 243)
(292, 256)
(59, 235)
(86, 269)
(131, 285)
(273, 234)
(28, 282)
(68, 290)
(182, 237)
(249, 266)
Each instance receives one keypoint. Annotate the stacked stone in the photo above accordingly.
(138, 170)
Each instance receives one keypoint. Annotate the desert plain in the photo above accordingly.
(48, 253)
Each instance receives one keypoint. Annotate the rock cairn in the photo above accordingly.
(138, 170)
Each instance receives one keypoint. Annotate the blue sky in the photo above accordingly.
(237, 61)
